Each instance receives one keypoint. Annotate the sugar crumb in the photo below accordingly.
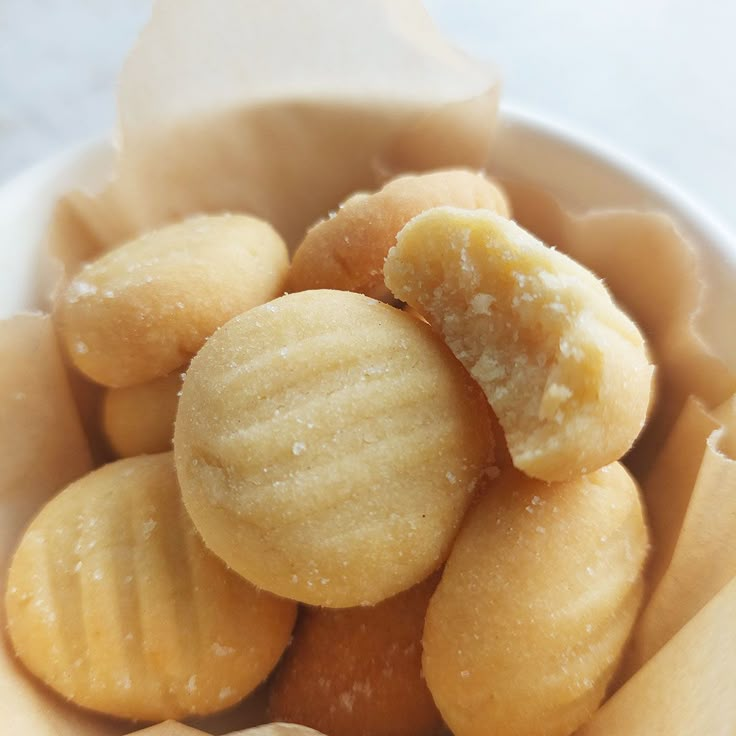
(79, 289)
(148, 526)
(220, 650)
(347, 700)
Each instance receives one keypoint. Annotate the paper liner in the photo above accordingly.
(703, 556)
(688, 688)
(218, 114)
(42, 448)
(671, 481)
(280, 109)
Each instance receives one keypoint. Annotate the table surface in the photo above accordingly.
(656, 78)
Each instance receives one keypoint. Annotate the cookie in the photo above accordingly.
(114, 602)
(144, 309)
(535, 604)
(566, 371)
(139, 420)
(347, 250)
(327, 446)
(357, 671)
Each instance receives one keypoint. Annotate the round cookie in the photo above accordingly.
(327, 446)
(347, 250)
(357, 671)
(115, 603)
(139, 420)
(536, 603)
(566, 371)
(144, 309)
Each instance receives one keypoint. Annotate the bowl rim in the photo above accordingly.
(673, 197)
(512, 115)
(618, 178)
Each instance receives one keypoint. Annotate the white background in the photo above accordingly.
(656, 78)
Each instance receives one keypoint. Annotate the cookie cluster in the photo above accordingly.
(408, 440)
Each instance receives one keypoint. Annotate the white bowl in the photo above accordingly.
(579, 171)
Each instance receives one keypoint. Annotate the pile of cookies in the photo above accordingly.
(408, 439)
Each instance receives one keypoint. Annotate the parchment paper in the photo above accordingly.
(284, 108)
(42, 447)
(280, 109)
(688, 689)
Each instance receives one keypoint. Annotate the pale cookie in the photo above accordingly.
(139, 420)
(116, 604)
(327, 447)
(347, 250)
(536, 602)
(566, 371)
(357, 671)
(144, 309)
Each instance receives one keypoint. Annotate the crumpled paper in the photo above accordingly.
(284, 108)
(281, 109)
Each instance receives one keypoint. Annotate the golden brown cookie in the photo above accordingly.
(535, 604)
(357, 671)
(566, 371)
(346, 251)
(115, 603)
(327, 447)
(144, 309)
(139, 420)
